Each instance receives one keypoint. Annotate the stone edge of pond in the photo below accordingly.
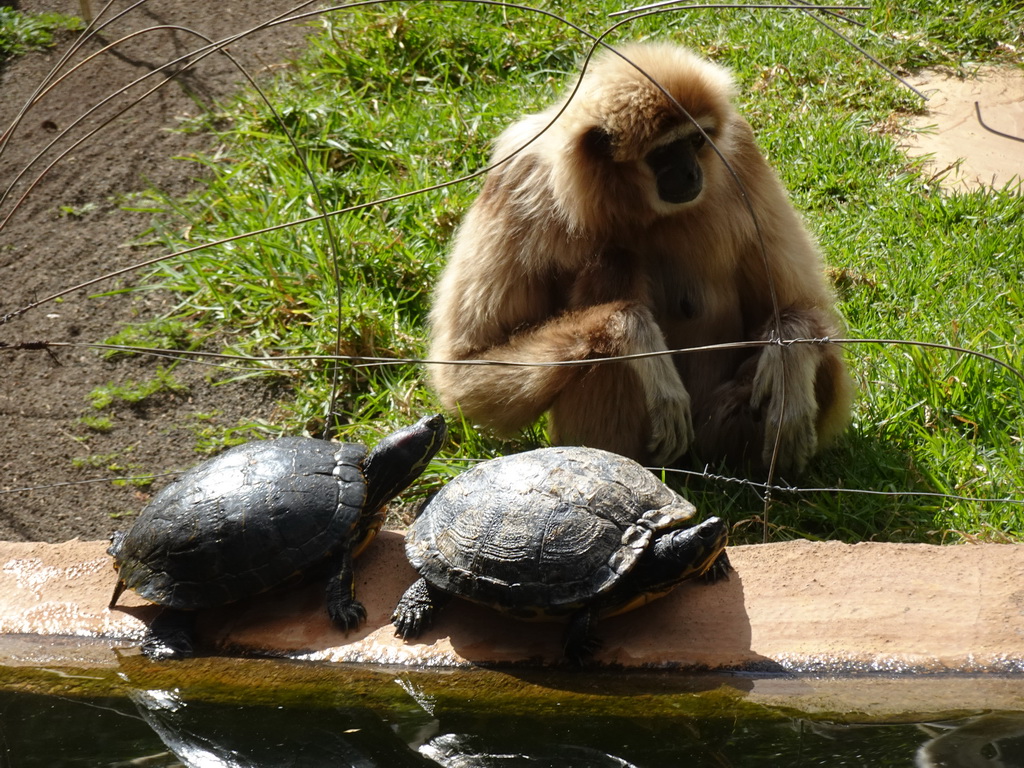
(791, 615)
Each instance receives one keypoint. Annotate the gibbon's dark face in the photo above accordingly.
(676, 168)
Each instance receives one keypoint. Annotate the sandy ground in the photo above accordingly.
(952, 133)
(795, 607)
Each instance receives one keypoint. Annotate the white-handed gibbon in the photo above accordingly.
(620, 230)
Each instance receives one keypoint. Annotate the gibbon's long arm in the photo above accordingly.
(650, 415)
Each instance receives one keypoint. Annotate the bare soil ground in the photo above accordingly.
(72, 227)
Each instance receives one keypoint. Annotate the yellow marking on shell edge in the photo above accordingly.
(636, 602)
(359, 544)
(647, 597)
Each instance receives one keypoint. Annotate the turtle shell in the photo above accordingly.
(245, 521)
(541, 533)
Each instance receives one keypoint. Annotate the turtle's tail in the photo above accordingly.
(118, 589)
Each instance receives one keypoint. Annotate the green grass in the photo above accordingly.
(398, 97)
(132, 392)
(22, 32)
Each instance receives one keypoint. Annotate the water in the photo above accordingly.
(160, 729)
(274, 715)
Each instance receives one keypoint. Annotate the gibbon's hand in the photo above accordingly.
(668, 407)
(784, 390)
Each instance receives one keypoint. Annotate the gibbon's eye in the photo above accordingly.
(697, 139)
(598, 142)
(676, 171)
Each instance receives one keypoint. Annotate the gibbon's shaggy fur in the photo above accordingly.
(619, 231)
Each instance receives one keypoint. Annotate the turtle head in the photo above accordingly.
(400, 458)
(688, 553)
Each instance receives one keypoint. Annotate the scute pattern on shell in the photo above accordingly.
(544, 531)
(244, 522)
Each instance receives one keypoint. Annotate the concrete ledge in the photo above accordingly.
(796, 606)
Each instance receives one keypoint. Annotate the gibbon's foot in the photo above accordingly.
(784, 390)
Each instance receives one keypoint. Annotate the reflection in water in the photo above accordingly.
(166, 728)
(460, 751)
(204, 735)
(995, 740)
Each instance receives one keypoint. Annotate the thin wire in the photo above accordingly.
(834, 12)
(320, 216)
(191, 59)
(703, 475)
(370, 360)
(598, 40)
(90, 31)
(860, 49)
(91, 481)
(977, 111)
(707, 475)
(682, 5)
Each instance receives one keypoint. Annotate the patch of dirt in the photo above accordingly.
(960, 149)
(72, 228)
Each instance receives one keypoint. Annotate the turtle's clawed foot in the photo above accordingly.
(345, 611)
(718, 570)
(170, 636)
(578, 654)
(347, 614)
(415, 611)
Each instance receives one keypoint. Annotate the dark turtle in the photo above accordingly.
(259, 515)
(557, 532)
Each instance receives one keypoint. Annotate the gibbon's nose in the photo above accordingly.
(680, 187)
(677, 171)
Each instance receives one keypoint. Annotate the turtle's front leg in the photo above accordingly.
(170, 636)
(580, 644)
(416, 610)
(718, 570)
(342, 606)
